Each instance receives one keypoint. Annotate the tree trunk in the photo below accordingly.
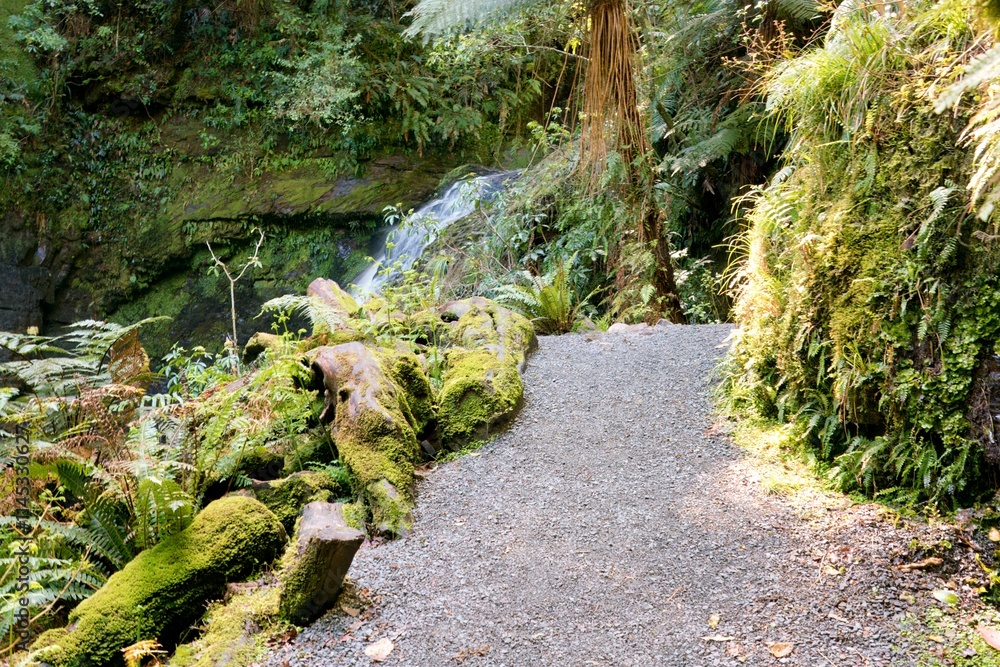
(611, 102)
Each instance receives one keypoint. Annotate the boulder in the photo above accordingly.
(286, 497)
(332, 295)
(337, 308)
(164, 589)
(482, 383)
(370, 427)
(479, 323)
(257, 344)
(480, 392)
(417, 397)
(314, 565)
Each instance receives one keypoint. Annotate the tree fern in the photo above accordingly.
(799, 10)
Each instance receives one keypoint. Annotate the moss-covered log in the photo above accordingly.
(163, 590)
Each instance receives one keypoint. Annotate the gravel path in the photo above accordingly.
(607, 526)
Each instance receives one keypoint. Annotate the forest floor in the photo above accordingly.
(615, 523)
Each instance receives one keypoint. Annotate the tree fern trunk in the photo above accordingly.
(611, 103)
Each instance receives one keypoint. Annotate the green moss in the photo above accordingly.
(479, 392)
(416, 398)
(354, 515)
(233, 632)
(163, 590)
(286, 497)
(15, 65)
(390, 509)
(483, 323)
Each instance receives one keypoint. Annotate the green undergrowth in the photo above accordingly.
(943, 637)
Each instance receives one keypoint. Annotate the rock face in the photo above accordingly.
(20, 299)
(164, 589)
(316, 562)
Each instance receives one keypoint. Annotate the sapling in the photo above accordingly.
(253, 260)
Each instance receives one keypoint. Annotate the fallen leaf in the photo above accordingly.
(350, 611)
(713, 621)
(920, 564)
(781, 650)
(718, 638)
(380, 650)
(832, 571)
(945, 596)
(994, 534)
(990, 636)
(936, 638)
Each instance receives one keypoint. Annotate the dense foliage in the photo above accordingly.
(869, 292)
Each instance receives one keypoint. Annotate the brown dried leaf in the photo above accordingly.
(713, 621)
(781, 650)
(350, 611)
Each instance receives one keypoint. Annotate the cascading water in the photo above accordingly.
(410, 238)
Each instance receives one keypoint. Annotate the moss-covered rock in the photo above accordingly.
(163, 590)
(258, 344)
(286, 497)
(417, 397)
(373, 435)
(479, 323)
(479, 393)
(233, 631)
(314, 565)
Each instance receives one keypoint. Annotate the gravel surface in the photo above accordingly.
(609, 524)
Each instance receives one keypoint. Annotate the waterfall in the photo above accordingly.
(410, 238)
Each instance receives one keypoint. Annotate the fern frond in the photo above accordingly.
(983, 69)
